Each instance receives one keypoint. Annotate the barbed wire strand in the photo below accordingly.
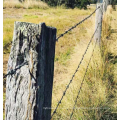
(77, 24)
(82, 81)
(14, 70)
(74, 73)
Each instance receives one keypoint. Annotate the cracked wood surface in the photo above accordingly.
(29, 90)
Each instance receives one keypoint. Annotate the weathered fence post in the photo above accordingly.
(105, 4)
(29, 89)
(98, 23)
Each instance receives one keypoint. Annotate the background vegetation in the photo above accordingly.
(82, 4)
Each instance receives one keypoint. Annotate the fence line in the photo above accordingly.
(13, 71)
(74, 73)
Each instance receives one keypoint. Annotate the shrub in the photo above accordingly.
(69, 3)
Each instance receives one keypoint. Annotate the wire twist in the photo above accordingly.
(11, 72)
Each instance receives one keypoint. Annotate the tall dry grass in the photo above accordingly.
(97, 98)
(28, 4)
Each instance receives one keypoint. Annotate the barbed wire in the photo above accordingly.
(74, 73)
(77, 24)
(11, 72)
(83, 80)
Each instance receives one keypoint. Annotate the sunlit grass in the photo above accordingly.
(29, 4)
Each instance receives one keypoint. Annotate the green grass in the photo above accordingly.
(63, 57)
(30, 16)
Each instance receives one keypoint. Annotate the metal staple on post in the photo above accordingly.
(11, 72)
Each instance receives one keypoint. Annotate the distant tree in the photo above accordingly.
(51, 2)
(69, 3)
(21, 0)
(78, 3)
(114, 2)
(93, 1)
(84, 4)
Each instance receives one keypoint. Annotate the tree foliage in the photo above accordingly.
(114, 2)
(69, 3)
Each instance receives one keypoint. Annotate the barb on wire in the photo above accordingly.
(74, 73)
(77, 24)
(14, 70)
(82, 81)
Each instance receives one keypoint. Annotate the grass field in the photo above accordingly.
(100, 85)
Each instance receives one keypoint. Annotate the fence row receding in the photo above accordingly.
(29, 79)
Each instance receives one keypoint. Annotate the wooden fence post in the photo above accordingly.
(105, 4)
(98, 23)
(29, 89)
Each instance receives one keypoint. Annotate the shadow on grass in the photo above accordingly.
(109, 116)
(112, 58)
(113, 30)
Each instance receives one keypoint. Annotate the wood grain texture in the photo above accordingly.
(29, 90)
(98, 23)
(105, 4)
